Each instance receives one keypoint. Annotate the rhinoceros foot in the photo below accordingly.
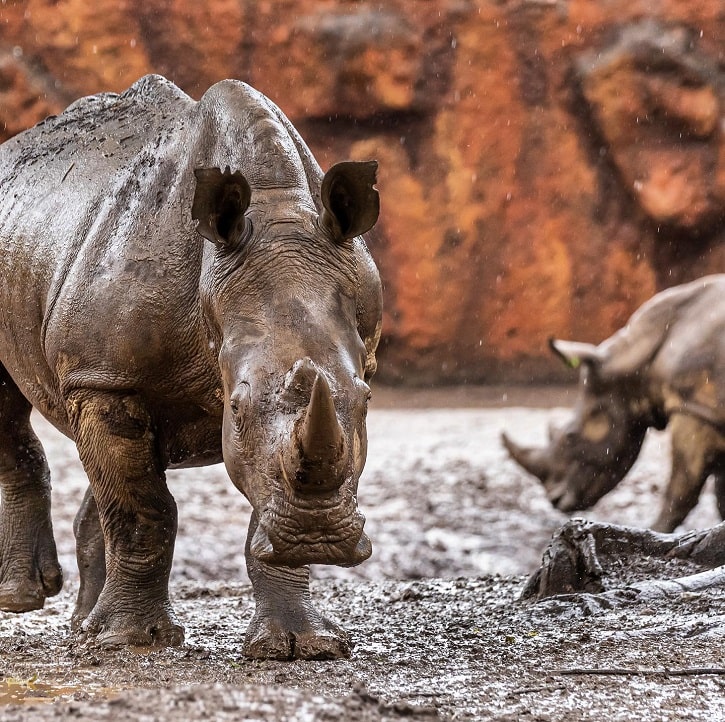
(275, 638)
(156, 636)
(29, 569)
(132, 628)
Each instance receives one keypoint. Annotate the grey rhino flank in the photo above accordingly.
(180, 285)
(665, 368)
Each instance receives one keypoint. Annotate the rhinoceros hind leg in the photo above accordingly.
(720, 491)
(91, 557)
(29, 569)
(115, 437)
(286, 625)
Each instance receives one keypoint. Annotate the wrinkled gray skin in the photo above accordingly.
(166, 312)
(666, 367)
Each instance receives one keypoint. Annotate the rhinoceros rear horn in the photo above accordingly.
(350, 202)
(220, 201)
(321, 443)
(535, 461)
(300, 379)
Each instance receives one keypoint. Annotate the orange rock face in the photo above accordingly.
(654, 102)
(545, 167)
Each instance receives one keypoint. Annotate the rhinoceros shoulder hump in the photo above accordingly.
(154, 88)
(250, 133)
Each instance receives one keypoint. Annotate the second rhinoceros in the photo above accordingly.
(665, 368)
(181, 285)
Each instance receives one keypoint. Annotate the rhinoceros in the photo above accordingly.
(179, 286)
(664, 368)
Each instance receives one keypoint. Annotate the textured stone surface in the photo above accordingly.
(653, 96)
(545, 165)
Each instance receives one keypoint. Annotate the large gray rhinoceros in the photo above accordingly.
(179, 284)
(666, 367)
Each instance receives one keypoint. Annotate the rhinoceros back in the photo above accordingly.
(677, 340)
(107, 125)
(82, 194)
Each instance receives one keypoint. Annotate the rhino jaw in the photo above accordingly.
(344, 552)
(563, 498)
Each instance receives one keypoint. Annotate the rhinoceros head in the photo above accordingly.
(591, 454)
(293, 301)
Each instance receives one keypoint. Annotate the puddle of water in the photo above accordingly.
(31, 691)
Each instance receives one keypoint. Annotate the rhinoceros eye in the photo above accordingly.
(236, 416)
(238, 402)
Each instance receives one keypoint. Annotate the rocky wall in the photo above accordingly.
(545, 166)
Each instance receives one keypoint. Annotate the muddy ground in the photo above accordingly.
(439, 633)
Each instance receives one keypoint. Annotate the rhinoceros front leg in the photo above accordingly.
(29, 569)
(285, 624)
(91, 557)
(118, 448)
(694, 445)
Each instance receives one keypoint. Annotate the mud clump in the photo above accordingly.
(462, 649)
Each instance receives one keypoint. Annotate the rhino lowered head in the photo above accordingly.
(592, 453)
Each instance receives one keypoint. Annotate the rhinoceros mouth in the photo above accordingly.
(568, 504)
(561, 496)
(329, 532)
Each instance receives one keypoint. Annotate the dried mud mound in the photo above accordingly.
(430, 650)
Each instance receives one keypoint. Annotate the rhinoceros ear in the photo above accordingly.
(220, 201)
(575, 353)
(350, 202)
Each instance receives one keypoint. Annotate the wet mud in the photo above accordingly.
(434, 615)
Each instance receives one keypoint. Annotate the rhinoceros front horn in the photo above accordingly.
(320, 442)
(535, 461)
